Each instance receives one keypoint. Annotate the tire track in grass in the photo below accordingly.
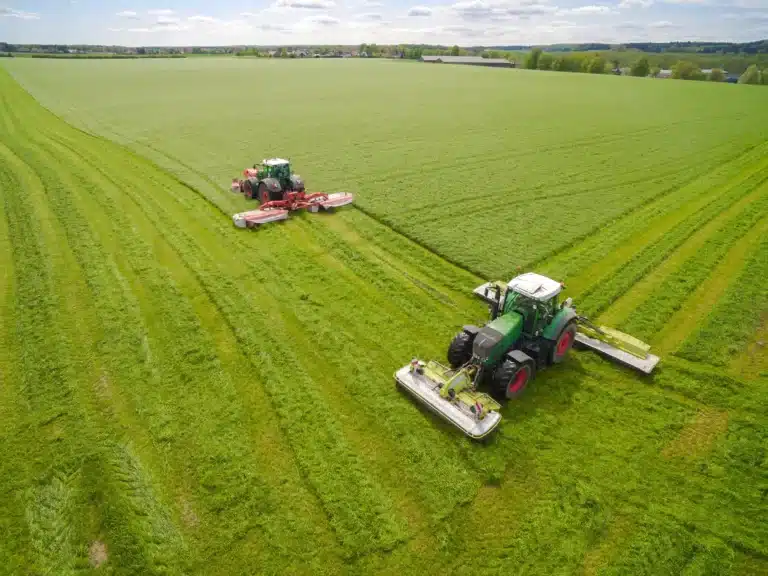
(632, 302)
(100, 455)
(602, 294)
(595, 257)
(258, 501)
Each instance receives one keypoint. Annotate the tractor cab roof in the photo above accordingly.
(274, 162)
(535, 286)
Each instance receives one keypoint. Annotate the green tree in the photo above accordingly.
(655, 70)
(545, 61)
(751, 76)
(641, 67)
(283, 53)
(594, 65)
(363, 48)
(532, 61)
(455, 51)
(685, 70)
(716, 75)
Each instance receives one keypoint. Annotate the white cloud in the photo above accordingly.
(160, 12)
(420, 11)
(306, 4)
(591, 10)
(662, 24)
(373, 3)
(205, 19)
(638, 3)
(128, 14)
(474, 9)
(167, 21)
(324, 20)
(11, 13)
(370, 16)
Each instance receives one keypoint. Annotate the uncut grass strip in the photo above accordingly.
(351, 496)
(602, 294)
(671, 295)
(590, 258)
(146, 539)
(231, 461)
(735, 317)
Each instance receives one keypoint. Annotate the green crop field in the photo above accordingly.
(178, 396)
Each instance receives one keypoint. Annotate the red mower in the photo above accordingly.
(280, 192)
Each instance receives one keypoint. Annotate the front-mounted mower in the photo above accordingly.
(279, 192)
(529, 329)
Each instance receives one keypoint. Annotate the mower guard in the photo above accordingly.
(335, 200)
(643, 362)
(254, 218)
(426, 390)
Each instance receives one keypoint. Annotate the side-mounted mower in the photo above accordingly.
(279, 192)
(528, 331)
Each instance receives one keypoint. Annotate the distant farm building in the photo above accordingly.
(469, 60)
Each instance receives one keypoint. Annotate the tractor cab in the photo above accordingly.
(276, 168)
(534, 297)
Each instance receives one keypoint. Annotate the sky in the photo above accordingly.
(462, 22)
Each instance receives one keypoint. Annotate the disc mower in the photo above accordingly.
(529, 329)
(279, 192)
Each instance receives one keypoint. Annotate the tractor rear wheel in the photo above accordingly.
(511, 378)
(263, 193)
(460, 350)
(564, 343)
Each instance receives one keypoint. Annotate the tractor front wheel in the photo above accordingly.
(511, 378)
(247, 189)
(460, 350)
(263, 193)
(564, 343)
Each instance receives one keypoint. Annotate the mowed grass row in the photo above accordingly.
(507, 157)
(301, 325)
(183, 375)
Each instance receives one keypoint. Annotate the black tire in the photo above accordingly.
(460, 349)
(263, 193)
(563, 344)
(247, 189)
(511, 379)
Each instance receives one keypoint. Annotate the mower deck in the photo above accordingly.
(457, 412)
(645, 365)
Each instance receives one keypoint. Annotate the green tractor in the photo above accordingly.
(268, 181)
(529, 329)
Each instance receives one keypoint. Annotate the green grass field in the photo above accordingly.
(182, 397)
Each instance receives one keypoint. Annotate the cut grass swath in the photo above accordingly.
(672, 294)
(734, 319)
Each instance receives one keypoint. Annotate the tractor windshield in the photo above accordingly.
(515, 300)
(281, 171)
